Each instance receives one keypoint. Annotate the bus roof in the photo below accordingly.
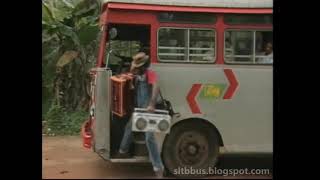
(202, 3)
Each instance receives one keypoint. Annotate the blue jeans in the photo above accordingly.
(151, 143)
(142, 99)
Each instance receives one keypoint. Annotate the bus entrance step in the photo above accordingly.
(132, 160)
(140, 149)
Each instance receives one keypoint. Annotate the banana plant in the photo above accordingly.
(69, 43)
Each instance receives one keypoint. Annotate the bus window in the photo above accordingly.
(264, 47)
(202, 45)
(186, 45)
(239, 46)
(172, 44)
(248, 47)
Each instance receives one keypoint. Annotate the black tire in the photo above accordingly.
(192, 145)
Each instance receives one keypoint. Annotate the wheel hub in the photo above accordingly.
(192, 148)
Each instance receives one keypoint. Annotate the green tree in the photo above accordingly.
(70, 39)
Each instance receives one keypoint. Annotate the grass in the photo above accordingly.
(58, 121)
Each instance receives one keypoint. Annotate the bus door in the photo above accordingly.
(101, 126)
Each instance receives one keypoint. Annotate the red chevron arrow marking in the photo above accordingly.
(233, 84)
(191, 99)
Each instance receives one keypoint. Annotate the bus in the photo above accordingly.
(215, 65)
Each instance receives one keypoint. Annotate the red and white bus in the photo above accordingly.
(215, 65)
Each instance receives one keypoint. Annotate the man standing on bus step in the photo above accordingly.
(146, 93)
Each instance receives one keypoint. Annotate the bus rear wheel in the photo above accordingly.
(190, 149)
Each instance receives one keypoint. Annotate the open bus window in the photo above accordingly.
(186, 45)
(248, 47)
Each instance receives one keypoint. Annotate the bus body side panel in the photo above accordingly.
(101, 127)
(244, 121)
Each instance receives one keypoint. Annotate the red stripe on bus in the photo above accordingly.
(191, 99)
(233, 83)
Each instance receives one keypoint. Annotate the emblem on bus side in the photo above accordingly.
(212, 91)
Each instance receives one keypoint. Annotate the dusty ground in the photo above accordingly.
(64, 157)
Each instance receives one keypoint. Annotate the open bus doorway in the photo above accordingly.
(125, 41)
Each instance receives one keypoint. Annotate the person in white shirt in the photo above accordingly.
(208, 54)
(268, 55)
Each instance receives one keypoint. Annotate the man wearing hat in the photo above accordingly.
(146, 93)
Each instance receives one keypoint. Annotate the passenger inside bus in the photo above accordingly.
(208, 53)
(249, 47)
(267, 54)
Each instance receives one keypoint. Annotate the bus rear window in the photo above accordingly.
(248, 19)
(182, 17)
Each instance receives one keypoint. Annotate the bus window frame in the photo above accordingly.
(243, 29)
(188, 28)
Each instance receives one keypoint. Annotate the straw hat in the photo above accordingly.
(140, 59)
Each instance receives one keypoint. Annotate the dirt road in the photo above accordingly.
(64, 157)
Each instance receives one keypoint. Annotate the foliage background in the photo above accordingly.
(70, 39)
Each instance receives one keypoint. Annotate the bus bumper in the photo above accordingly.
(86, 134)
